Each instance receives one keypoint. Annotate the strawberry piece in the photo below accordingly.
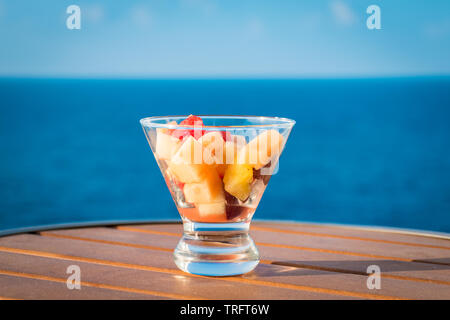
(226, 135)
(190, 121)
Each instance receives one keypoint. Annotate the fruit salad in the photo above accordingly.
(213, 175)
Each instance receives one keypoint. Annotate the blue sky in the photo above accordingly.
(224, 38)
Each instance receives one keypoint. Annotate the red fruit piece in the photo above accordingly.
(190, 121)
(226, 136)
(179, 184)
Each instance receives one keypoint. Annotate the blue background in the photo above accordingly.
(371, 144)
(363, 151)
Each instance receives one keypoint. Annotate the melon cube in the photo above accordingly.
(187, 164)
(187, 173)
(208, 190)
(231, 152)
(212, 209)
(166, 145)
(213, 147)
(190, 152)
(211, 137)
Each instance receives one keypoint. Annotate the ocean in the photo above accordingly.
(363, 151)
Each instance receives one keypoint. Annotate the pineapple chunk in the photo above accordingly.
(215, 209)
(237, 180)
(166, 145)
(262, 149)
(208, 190)
(229, 157)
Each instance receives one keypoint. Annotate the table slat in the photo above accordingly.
(299, 261)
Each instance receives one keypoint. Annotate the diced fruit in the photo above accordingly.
(166, 145)
(180, 133)
(190, 152)
(208, 190)
(187, 163)
(237, 180)
(226, 135)
(231, 151)
(211, 137)
(221, 168)
(234, 212)
(238, 140)
(187, 173)
(213, 147)
(262, 149)
(191, 121)
(212, 209)
(210, 213)
(265, 178)
(167, 130)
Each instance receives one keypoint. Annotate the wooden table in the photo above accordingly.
(299, 261)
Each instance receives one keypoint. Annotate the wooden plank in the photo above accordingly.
(115, 278)
(323, 278)
(325, 260)
(359, 234)
(159, 262)
(116, 236)
(340, 246)
(355, 248)
(21, 287)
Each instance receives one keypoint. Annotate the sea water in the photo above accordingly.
(363, 151)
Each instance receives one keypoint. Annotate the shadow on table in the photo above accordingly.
(325, 267)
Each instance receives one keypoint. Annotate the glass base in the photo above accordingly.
(216, 249)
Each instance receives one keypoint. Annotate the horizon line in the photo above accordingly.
(221, 77)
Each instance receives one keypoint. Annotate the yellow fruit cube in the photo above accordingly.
(237, 180)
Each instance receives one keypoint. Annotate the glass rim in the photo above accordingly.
(272, 122)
